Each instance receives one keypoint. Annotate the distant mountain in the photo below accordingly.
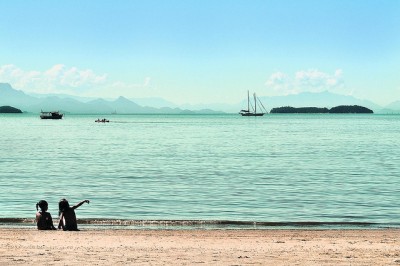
(394, 107)
(122, 105)
(12, 97)
(62, 96)
(154, 102)
(57, 104)
(66, 104)
(321, 99)
(223, 107)
(305, 99)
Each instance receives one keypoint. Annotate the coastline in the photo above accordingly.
(129, 224)
(209, 247)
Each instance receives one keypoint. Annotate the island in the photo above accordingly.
(350, 109)
(9, 110)
(299, 110)
(341, 109)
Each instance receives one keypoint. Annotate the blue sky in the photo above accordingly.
(202, 51)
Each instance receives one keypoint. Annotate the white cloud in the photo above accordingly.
(311, 80)
(54, 71)
(71, 80)
(58, 78)
(277, 78)
(147, 82)
(279, 82)
(127, 86)
(314, 79)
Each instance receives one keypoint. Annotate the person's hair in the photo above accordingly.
(63, 205)
(42, 204)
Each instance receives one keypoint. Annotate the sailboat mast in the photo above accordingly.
(248, 101)
(255, 103)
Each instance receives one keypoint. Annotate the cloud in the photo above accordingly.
(58, 78)
(54, 71)
(311, 80)
(316, 80)
(12, 74)
(279, 82)
(71, 80)
(120, 85)
(276, 79)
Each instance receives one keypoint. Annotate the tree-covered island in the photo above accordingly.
(299, 110)
(341, 109)
(9, 110)
(350, 109)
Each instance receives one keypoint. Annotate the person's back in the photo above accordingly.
(43, 218)
(68, 220)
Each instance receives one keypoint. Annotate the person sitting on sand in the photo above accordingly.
(43, 218)
(67, 215)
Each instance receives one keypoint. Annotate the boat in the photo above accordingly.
(51, 115)
(253, 111)
(102, 120)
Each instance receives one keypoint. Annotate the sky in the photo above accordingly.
(195, 52)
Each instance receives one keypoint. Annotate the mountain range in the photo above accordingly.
(71, 104)
(79, 105)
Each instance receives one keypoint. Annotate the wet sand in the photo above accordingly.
(204, 247)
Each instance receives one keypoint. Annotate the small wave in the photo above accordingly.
(16, 220)
(210, 223)
(224, 223)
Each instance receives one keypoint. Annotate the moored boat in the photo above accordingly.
(253, 112)
(51, 115)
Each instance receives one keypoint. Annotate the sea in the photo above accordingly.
(204, 171)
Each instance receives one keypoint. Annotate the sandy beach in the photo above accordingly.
(208, 247)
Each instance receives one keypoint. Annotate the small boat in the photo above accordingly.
(253, 112)
(51, 115)
(102, 120)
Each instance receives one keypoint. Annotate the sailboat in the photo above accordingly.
(253, 112)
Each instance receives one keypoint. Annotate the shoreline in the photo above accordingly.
(128, 224)
(209, 247)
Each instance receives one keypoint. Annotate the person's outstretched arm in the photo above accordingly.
(80, 203)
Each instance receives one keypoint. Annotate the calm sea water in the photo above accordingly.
(276, 168)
